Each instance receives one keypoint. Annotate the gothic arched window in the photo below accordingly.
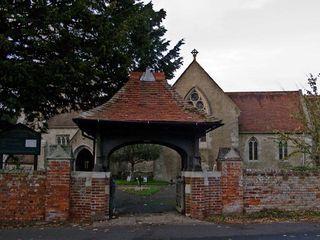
(195, 98)
(283, 150)
(253, 149)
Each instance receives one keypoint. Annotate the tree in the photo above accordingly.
(309, 116)
(62, 55)
(136, 153)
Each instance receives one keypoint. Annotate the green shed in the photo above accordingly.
(19, 139)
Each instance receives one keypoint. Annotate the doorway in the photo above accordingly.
(84, 161)
(150, 187)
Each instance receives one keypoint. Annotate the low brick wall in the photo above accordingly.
(22, 196)
(281, 190)
(59, 195)
(89, 196)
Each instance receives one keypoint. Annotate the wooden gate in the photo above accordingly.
(180, 195)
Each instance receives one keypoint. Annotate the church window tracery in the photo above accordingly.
(195, 99)
(253, 149)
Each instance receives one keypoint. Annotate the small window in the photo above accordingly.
(62, 140)
(253, 149)
(283, 150)
(196, 100)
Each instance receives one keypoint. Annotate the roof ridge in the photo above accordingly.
(247, 92)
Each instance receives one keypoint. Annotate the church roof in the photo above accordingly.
(268, 112)
(146, 100)
(63, 120)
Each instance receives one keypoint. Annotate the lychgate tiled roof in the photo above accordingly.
(267, 112)
(153, 100)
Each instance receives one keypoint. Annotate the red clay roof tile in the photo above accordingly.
(267, 112)
(146, 101)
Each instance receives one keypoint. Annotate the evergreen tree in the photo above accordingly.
(62, 55)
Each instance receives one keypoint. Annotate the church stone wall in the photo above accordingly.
(268, 152)
(220, 106)
(50, 137)
(168, 166)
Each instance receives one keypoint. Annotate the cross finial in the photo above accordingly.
(194, 53)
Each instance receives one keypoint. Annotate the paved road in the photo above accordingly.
(187, 229)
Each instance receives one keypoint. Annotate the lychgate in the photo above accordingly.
(147, 110)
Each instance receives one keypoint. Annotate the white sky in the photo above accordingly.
(248, 45)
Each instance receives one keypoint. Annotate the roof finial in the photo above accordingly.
(194, 53)
(147, 75)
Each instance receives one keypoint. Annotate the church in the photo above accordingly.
(251, 121)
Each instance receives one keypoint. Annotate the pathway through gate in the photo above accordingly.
(160, 202)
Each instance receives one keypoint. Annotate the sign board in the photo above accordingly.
(19, 139)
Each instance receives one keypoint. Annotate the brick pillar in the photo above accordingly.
(90, 196)
(100, 195)
(230, 165)
(195, 202)
(57, 202)
(202, 194)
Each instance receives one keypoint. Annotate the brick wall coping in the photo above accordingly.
(191, 174)
(91, 174)
(23, 172)
(273, 172)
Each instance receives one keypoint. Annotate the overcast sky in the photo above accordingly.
(248, 45)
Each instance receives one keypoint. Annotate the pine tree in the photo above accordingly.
(62, 55)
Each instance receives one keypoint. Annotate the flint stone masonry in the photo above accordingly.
(291, 191)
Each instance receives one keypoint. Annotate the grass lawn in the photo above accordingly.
(150, 182)
(140, 191)
(146, 189)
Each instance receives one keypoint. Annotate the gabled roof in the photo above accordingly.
(63, 120)
(267, 112)
(146, 101)
(195, 64)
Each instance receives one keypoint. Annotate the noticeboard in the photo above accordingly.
(19, 139)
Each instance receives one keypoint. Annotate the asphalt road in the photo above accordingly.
(198, 231)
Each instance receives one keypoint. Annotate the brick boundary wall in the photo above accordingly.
(22, 196)
(89, 195)
(58, 195)
(281, 190)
